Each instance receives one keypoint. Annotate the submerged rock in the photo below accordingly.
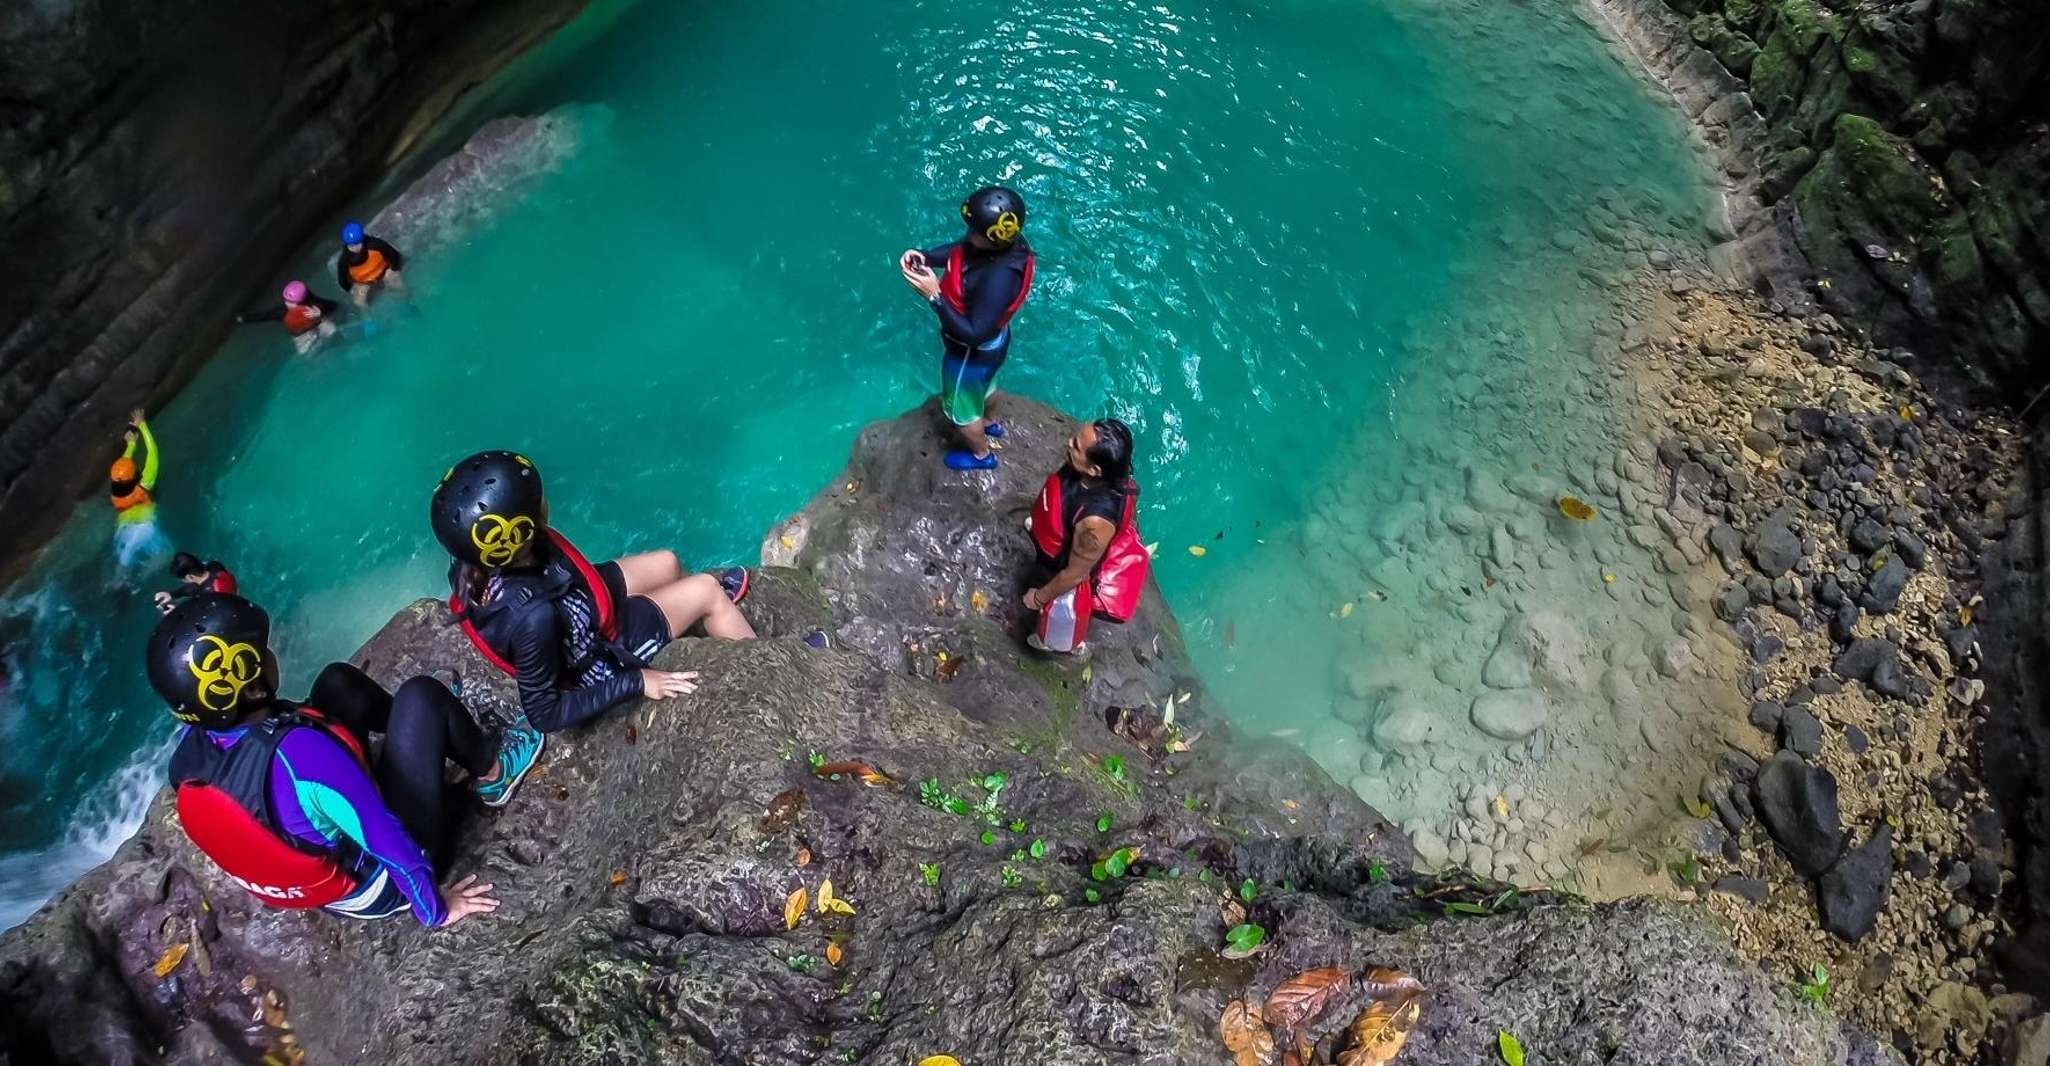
(1798, 804)
(1509, 715)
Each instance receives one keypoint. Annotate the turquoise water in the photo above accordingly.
(1259, 226)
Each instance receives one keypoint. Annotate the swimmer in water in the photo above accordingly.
(367, 263)
(194, 577)
(131, 488)
(308, 318)
(988, 277)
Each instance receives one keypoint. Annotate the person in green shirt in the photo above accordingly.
(132, 490)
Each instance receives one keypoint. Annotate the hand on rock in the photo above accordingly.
(466, 897)
(663, 684)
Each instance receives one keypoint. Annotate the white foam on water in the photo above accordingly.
(102, 824)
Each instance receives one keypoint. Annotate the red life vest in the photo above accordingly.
(300, 318)
(950, 286)
(222, 581)
(1119, 580)
(601, 599)
(224, 807)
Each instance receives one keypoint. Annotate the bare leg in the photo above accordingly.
(360, 294)
(698, 598)
(393, 281)
(645, 572)
(973, 436)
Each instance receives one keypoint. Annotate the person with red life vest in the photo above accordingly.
(307, 317)
(577, 637)
(282, 796)
(1085, 530)
(194, 577)
(367, 263)
(988, 277)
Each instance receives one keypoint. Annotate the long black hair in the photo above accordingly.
(1112, 452)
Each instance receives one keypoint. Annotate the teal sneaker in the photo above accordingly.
(518, 750)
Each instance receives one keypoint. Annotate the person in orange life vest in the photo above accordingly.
(367, 263)
(578, 638)
(282, 795)
(989, 275)
(1093, 487)
(307, 317)
(194, 577)
(132, 491)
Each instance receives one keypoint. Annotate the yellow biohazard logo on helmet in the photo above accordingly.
(499, 539)
(1005, 229)
(223, 671)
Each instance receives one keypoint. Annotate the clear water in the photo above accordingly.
(1272, 236)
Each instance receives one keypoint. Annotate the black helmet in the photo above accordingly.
(995, 212)
(206, 659)
(488, 507)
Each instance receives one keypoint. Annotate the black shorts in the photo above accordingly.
(643, 629)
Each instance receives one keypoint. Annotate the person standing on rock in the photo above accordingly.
(988, 277)
(132, 491)
(1085, 531)
(283, 796)
(308, 318)
(577, 637)
(367, 263)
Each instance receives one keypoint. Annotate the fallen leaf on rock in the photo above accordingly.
(833, 954)
(1346, 611)
(825, 895)
(787, 542)
(804, 856)
(1298, 1001)
(171, 957)
(633, 735)
(200, 958)
(793, 908)
(1198, 550)
(1501, 805)
(1908, 412)
(978, 601)
(1575, 508)
(783, 810)
(1382, 982)
(1290, 804)
(939, 1060)
(1510, 1047)
(1244, 1034)
(1380, 1031)
(946, 667)
(618, 878)
(855, 768)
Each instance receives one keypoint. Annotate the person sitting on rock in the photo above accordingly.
(989, 275)
(577, 637)
(308, 318)
(132, 491)
(284, 797)
(1085, 532)
(367, 263)
(194, 577)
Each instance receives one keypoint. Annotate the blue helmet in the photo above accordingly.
(352, 232)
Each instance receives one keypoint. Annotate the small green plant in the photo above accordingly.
(1248, 891)
(802, 963)
(988, 838)
(1038, 849)
(1686, 870)
(1114, 865)
(1510, 1048)
(1104, 823)
(1012, 878)
(817, 760)
(1191, 803)
(875, 1006)
(929, 872)
(1018, 825)
(1816, 989)
(1376, 873)
(1245, 937)
(1114, 765)
(1091, 895)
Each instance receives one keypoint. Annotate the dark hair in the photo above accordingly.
(185, 564)
(1112, 452)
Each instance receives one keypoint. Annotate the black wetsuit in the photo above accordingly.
(990, 283)
(213, 569)
(392, 260)
(544, 622)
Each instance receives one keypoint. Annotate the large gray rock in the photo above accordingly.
(1798, 804)
(644, 867)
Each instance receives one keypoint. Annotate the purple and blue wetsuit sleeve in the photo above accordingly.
(321, 795)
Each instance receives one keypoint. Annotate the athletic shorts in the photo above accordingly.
(643, 629)
(968, 376)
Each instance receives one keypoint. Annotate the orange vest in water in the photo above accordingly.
(300, 318)
(371, 270)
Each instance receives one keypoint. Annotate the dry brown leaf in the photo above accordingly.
(618, 878)
(1575, 508)
(1380, 1031)
(855, 768)
(1244, 1034)
(947, 667)
(833, 954)
(804, 856)
(1232, 912)
(633, 735)
(171, 957)
(1382, 982)
(1298, 1001)
(783, 811)
(978, 601)
(793, 908)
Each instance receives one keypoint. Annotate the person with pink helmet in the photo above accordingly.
(307, 317)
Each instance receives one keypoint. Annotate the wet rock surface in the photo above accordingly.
(646, 864)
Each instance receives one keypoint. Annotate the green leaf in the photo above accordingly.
(957, 805)
(1376, 873)
(930, 872)
(1104, 823)
(1246, 937)
(1248, 891)
(1092, 895)
(1114, 765)
(1204, 877)
(1017, 825)
(1511, 1048)
(816, 760)
(1465, 908)
(1119, 861)
(1038, 849)
(1191, 803)
(988, 838)
(994, 781)
(1099, 873)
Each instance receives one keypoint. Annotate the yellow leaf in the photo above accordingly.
(793, 908)
(171, 957)
(1575, 508)
(840, 906)
(825, 895)
(787, 542)
(833, 954)
(1501, 806)
(1608, 579)
(1346, 611)
(1088, 672)
(1964, 615)
(1198, 550)
(1908, 412)
(978, 602)
(939, 1060)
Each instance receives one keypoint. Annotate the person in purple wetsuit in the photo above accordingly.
(280, 794)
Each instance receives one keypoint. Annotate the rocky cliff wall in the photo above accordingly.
(159, 161)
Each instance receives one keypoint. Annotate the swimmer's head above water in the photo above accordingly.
(295, 292)
(995, 217)
(352, 234)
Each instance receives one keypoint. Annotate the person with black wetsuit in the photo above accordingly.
(578, 638)
(367, 263)
(988, 277)
(194, 578)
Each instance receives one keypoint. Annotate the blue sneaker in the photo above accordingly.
(518, 750)
(734, 580)
(993, 430)
(962, 459)
(817, 640)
